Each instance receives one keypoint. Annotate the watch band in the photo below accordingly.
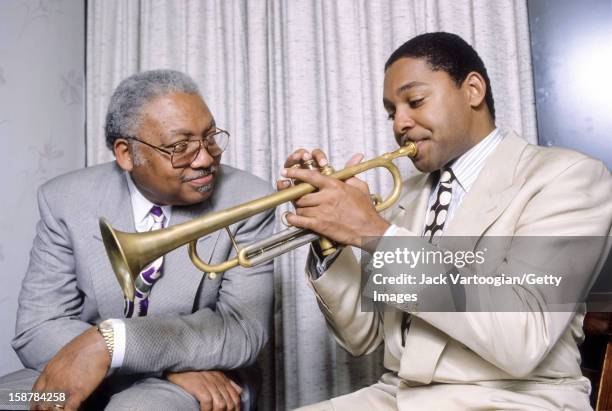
(105, 328)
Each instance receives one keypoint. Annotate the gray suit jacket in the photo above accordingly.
(193, 322)
(523, 190)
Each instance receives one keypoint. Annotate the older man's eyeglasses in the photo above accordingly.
(184, 152)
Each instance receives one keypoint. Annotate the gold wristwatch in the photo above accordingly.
(106, 329)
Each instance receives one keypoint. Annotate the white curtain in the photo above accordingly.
(302, 73)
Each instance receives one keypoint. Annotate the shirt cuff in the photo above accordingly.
(321, 264)
(391, 231)
(119, 348)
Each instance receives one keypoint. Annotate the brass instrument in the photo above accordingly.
(129, 253)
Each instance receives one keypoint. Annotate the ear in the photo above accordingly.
(123, 154)
(476, 89)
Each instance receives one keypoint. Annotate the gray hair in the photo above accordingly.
(124, 110)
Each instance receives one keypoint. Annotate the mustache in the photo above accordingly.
(403, 139)
(201, 172)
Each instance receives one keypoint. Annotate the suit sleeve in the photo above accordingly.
(577, 203)
(50, 301)
(227, 337)
(338, 293)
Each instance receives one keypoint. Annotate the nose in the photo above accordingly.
(203, 159)
(402, 122)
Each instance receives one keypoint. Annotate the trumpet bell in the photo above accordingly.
(122, 266)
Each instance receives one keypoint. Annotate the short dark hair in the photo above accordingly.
(124, 110)
(447, 52)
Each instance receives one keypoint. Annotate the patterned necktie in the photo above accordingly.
(147, 277)
(434, 225)
(438, 214)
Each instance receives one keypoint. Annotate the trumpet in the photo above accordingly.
(129, 253)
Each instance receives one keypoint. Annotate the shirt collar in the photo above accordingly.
(141, 207)
(467, 166)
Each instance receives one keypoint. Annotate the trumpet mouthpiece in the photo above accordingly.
(410, 149)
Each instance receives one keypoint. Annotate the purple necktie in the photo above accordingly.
(147, 277)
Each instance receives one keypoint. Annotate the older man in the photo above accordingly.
(481, 182)
(163, 350)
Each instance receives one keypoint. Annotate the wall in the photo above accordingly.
(42, 123)
(571, 45)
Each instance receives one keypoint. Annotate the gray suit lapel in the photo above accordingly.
(490, 195)
(116, 207)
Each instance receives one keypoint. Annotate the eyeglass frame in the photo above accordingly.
(164, 149)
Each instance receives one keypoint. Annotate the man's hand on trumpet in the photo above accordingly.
(340, 211)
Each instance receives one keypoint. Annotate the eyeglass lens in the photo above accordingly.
(214, 144)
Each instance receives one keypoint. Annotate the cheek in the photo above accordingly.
(165, 180)
(446, 124)
(437, 115)
(165, 172)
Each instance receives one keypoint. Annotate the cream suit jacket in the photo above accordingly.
(523, 190)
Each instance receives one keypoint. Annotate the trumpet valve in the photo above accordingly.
(327, 246)
(310, 165)
(327, 170)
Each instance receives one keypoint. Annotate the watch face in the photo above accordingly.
(105, 325)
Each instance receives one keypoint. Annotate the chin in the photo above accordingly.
(199, 194)
(424, 167)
